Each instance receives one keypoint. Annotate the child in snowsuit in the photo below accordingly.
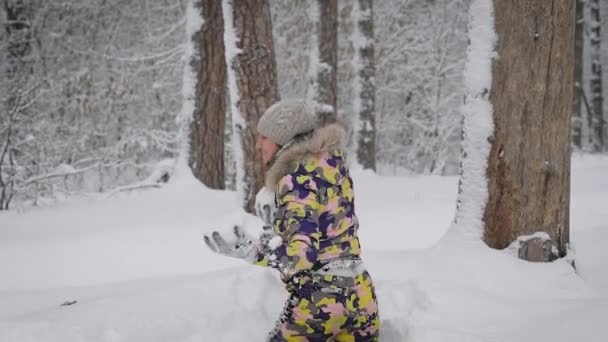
(316, 247)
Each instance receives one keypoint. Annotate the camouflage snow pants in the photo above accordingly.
(329, 308)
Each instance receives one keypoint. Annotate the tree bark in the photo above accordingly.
(326, 82)
(532, 89)
(255, 70)
(366, 97)
(577, 112)
(208, 124)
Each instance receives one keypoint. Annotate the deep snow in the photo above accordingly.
(138, 268)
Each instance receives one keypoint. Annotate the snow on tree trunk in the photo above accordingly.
(577, 109)
(477, 123)
(323, 82)
(364, 126)
(230, 169)
(597, 118)
(208, 124)
(252, 83)
(532, 90)
(194, 22)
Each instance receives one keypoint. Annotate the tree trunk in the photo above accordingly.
(325, 82)
(597, 126)
(532, 89)
(365, 129)
(18, 28)
(577, 112)
(256, 83)
(208, 124)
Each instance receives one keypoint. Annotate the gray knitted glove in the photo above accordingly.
(265, 209)
(265, 206)
(244, 247)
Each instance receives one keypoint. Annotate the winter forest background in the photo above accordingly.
(102, 102)
(91, 90)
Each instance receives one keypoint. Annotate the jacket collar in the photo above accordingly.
(323, 139)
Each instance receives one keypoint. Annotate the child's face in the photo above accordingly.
(267, 148)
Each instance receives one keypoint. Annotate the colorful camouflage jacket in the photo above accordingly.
(315, 216)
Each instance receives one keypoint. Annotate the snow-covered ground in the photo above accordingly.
(138, 269)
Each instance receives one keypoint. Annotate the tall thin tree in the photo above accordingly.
(577, 109)
(597, 124)
(364, 129)
(253, 85)
(529, 164)
(323, 88)
(207, 127)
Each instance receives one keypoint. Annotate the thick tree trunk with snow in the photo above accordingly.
(532, 89)
(208, 124)
(597, 117)
(577, 109)
(363, 41)
(325, 82)
(256, 82)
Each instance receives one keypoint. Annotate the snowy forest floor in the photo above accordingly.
(136, 266)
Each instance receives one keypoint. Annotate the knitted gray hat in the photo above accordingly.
(286, 119)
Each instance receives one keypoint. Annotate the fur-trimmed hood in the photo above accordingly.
(323, 139)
